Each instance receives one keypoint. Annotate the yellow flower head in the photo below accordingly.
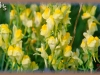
(26, 61)
(22, 16)
(50, 58)
(42, 7)
(1, 41)
(86, 15)
(66, 36)
(44, 31)
(91, 41)
(18, 34)
(63, 8)
(57, 14)
(4, 28)
(17, 51)
(33, 66)
(67, 51)
(53, 61)
(27, 12)
(10, 50)
(83, 44)
(52, 42)
(38, 18)
(46, 13)
(92, 27)
(12, 14)
(50, 22)
(97, 41)
(66, 19)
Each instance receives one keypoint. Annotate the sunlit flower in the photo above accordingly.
(18, 53)
(29, 23)
(1, 41)
(66, 19)
(50, 22)
(50, 58)
(42, 7)
(92, 27)
(26, 61)
(10, 50)
(27, 12)
(42, 51)
(67, 51)
(12, 14)
(4, 28)
(57, 14)
(66, 39)
(64, 8)
(46, 13)
(91, 41)
(86, 15)
(38, 18)
(44, 31)
(33, 66)
(17, 35)
(84, 45)
(52, 42)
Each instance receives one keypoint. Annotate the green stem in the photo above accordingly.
(46, 66)
(7, 65)
(3, 59)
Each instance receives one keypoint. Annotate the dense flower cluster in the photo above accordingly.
(38, 35)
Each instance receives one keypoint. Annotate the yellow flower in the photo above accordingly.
(46, 13)
(83, 44)
(27, 12)
(57, 14)
(53, 61)
(29, 23)
(26, 61)
(67, 51)
(91, 41)
(52, 42)
(50, 22)
(10, 50)
(12, 14)
(45, 31)
(63, 8)
(33, 66)
(22, 16)
(66, 19)
(42, 52)
(42, 7)
(38, 18)
(66, 39)
(4, 28)
(18, 54)
(1, 41)
(97, 41)
(86, 15)
(92, 28)
(18, 34)
(50, 58)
